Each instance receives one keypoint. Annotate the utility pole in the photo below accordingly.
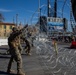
(16, 19)
(55, 8)
(48, 8)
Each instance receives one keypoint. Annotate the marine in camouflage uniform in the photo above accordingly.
(14, 44)
(29, 40)
(14, 29)
(27, 48)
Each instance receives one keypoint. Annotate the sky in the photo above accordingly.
(27, 10)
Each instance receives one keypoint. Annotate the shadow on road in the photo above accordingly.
(5, 73)
(4, 57)
(3, 48)
(69, 47)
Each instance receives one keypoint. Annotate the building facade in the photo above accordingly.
(5, 29)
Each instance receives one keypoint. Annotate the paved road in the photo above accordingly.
(44, 61)
(31, 64)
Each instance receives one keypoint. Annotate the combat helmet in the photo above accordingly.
(14, 29)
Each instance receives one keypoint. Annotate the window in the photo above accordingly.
(4, 26)
(10, 27)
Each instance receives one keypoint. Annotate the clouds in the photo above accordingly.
(5, 10)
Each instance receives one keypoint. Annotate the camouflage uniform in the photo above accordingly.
(25, 37)
(14, 44)
(27, 47)
(19, 47)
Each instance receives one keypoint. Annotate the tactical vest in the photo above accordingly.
(16, 42)
(13, 41)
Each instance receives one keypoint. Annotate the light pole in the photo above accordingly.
(55, 8)
(16, 19)
(39, 10)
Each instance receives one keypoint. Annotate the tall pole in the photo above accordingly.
(48, 8)
(16, 19)
(55, 9)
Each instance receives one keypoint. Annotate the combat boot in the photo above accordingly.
(26, 51)
(11, 71)
(20, 72)
(29, 54)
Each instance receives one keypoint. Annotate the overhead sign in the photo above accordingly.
(52, 19)
(55, 24)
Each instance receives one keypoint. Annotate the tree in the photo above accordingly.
(1, 17)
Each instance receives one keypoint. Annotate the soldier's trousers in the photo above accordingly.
(20, 48)
(15, 55)
(27, 47)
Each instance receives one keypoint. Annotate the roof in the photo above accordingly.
(2, 23)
